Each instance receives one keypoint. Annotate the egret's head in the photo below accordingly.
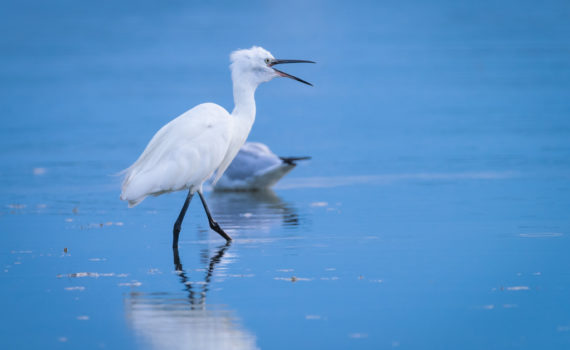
(256, 65)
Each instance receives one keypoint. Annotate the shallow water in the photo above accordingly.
(433, 214)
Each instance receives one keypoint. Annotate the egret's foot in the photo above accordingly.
(216, 227)
(177, 263)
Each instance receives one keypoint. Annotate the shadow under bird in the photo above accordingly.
(187, 151)
(255, 168)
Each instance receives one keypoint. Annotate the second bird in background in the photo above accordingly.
(255, 168)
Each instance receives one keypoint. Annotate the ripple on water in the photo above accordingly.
(541, 234)
(379, 179)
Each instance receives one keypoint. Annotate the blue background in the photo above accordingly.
(434, 213)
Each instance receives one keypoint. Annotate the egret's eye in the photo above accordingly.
(267, 61)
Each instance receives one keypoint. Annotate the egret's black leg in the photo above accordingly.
(177, 264)
(213, 225)
(178, 223)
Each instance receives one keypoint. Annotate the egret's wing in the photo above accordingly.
(182, 153)
(235, 144)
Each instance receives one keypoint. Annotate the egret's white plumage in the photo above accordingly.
(188, 150)
(181, 154)
(255, 168)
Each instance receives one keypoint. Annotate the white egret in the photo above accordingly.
(188, 150)
(255, 168)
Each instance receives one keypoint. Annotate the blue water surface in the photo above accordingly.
(433, 214)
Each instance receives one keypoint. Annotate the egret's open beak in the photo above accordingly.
(283, 74)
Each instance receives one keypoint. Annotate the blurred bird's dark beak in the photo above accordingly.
(283, 74)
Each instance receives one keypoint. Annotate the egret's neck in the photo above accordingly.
(244, 99)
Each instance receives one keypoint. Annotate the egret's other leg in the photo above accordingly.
(213, 225)
(178, 223)
(177, 263)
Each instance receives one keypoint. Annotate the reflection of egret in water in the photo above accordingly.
(259, 210)
(185, 321)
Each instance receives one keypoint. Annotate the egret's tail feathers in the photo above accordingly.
(122, 172)
(135, 202)
(293, 160)
(132, 202)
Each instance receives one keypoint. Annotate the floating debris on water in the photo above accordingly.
(100, 225)
(249, 275)
(131, 284)
(292, 279)
(79, 288)
(515, 288)
(97, 259)
(90, 274)
(21, 252)
(334, 278)
(65, 250)
(83, 318)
